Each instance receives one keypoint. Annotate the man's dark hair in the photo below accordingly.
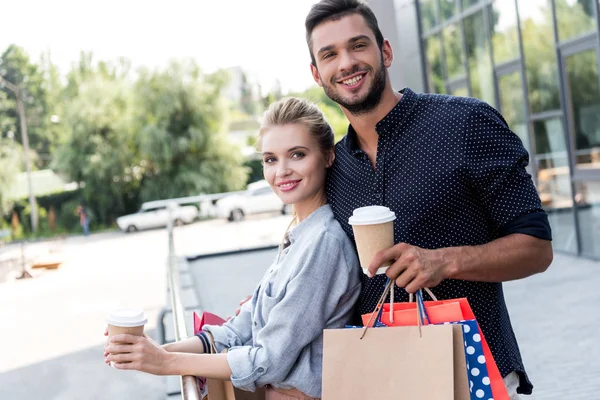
(334, 10)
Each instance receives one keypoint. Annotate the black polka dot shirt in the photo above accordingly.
(454, 174)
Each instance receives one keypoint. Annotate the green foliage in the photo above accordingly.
(160, 136)
(179, 116)
(332, 111)
(255, 168)
(17, 68)
(11, 161)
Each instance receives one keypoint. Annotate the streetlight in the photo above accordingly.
(21, 110)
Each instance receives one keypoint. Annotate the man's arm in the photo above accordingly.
(508, 258)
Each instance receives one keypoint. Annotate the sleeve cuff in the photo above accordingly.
(243, 371)
(221, 341)
(535, 224)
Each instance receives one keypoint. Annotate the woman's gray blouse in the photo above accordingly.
(312, 285)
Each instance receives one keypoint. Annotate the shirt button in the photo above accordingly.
(377, 195)
(261, 370)
(255, 323)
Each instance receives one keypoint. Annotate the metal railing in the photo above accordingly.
(189, 387)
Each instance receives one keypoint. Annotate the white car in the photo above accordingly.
(155, 214)
(258, 198)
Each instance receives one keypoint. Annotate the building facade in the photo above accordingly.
(537, 62)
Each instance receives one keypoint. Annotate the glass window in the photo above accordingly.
(505, 36)
(479, 58)
(461, 91)
(583, 98)
(428, 14)
(587, 197)
(447, 9)
(455, 66)
(575, 18)
(512, 105)
(435, 76)
(469, 3)
(540, 55)
(554, 183)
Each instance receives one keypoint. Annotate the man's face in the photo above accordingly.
(349, 65)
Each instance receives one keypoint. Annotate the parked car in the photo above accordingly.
(258, 198)
(155, 214)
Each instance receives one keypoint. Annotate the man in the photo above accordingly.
(468, 214)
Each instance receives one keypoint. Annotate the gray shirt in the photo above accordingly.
(277, 338)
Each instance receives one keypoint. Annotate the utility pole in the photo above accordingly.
(21, 110)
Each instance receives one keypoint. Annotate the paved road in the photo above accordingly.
(51, 326)
(556, 317)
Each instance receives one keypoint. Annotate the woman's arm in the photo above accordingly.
(143, 354)
(189, 345)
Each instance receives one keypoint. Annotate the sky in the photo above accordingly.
(263, 37)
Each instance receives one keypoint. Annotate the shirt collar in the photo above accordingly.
(319, 214)
(389, 123)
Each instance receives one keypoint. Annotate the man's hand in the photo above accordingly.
(138, 353)
(414, 268)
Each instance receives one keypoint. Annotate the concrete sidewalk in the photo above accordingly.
(556, 317)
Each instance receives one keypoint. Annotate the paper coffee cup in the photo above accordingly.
(126, 321)
(373, 228)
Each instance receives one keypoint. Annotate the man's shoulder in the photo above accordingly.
(446, 101)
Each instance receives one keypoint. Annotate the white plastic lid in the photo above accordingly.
(127, 318)
(371, 215)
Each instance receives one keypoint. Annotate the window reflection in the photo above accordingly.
(512, 105)
(584, 103)
(469, 3)
(554, 183)
(453, 49)
(435, 76)
(479, 58)
(505, 37)
(540, 55)
(587, 197)
(428, 11)
(575, 18)
(447, 9)
(461, 91)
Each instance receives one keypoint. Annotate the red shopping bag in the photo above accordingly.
(206, 319)
(440, 311)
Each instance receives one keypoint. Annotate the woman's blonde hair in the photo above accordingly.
(293, 110)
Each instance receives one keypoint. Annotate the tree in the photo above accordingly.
(330, 108)
(247, 102)
(179, 118)
(16, 67)
(11, 162)
(98, 151)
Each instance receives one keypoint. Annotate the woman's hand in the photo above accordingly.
(105, 346)
(138, 353)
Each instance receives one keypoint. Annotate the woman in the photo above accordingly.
(277, 339)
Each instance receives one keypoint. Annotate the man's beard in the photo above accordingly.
(372, 99)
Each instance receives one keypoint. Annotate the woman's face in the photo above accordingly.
(294, 164)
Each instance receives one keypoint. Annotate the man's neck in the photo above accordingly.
(364, 124)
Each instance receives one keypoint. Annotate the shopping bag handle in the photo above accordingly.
(428, 291)
(422, 315)
(379, 306)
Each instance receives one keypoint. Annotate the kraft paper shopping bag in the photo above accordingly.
(395, 363)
